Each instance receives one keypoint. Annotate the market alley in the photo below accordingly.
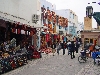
(54, 65)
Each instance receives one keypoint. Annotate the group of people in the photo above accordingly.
(71, 46)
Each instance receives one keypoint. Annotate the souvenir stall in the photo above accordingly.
(46, 18)
(58, 38)
(43, 42)
(16, 48)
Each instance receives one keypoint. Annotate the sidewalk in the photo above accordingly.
(90, 69)
(57, 65)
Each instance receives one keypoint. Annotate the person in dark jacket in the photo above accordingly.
(77, 46)
(68, 44)
(58, 47)
(72, 45)
(53, 46)
(63, 47)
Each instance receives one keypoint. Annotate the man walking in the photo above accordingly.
(68, 44)
(72, 45)
(77, 47)
(63, 47)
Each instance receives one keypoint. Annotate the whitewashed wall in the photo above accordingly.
(46, 4)
(21, 8)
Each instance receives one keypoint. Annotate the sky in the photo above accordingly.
(78, 6)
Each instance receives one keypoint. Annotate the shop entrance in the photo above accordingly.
(2, 34)
(90, 40)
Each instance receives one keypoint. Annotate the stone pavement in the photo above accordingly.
(57, 65)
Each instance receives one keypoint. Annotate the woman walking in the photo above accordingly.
(58, 47)
(53, 48)
(72, 45)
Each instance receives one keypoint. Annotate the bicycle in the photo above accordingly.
(83, 57)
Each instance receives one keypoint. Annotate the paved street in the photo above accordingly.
(57, 65)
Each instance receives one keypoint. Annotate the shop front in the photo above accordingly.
(17, 42)
(90, 37)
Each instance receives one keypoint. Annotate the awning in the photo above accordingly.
(12, 18)
(15, 19)
(96, 16)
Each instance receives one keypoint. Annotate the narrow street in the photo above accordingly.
(57, 65)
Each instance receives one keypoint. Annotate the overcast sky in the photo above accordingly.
(78, 6)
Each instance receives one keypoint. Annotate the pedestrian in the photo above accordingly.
(63, 47)
(77, 47)
(53, 48)
(68, 44)
(72, 45)
(58, 47)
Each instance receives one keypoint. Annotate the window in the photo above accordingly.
(48, 8)
(91, 40)
(73, 16)
(60, 27)
(43, 6)
(70, 14)
(66, 28)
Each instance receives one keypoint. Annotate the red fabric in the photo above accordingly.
(94, 42)
(18, 31)
(54, 36)
(47, 37)
(31, 33)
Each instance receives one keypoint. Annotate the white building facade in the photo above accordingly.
(80, 27)
(20, 10)
(24, 12)
(72, 21)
